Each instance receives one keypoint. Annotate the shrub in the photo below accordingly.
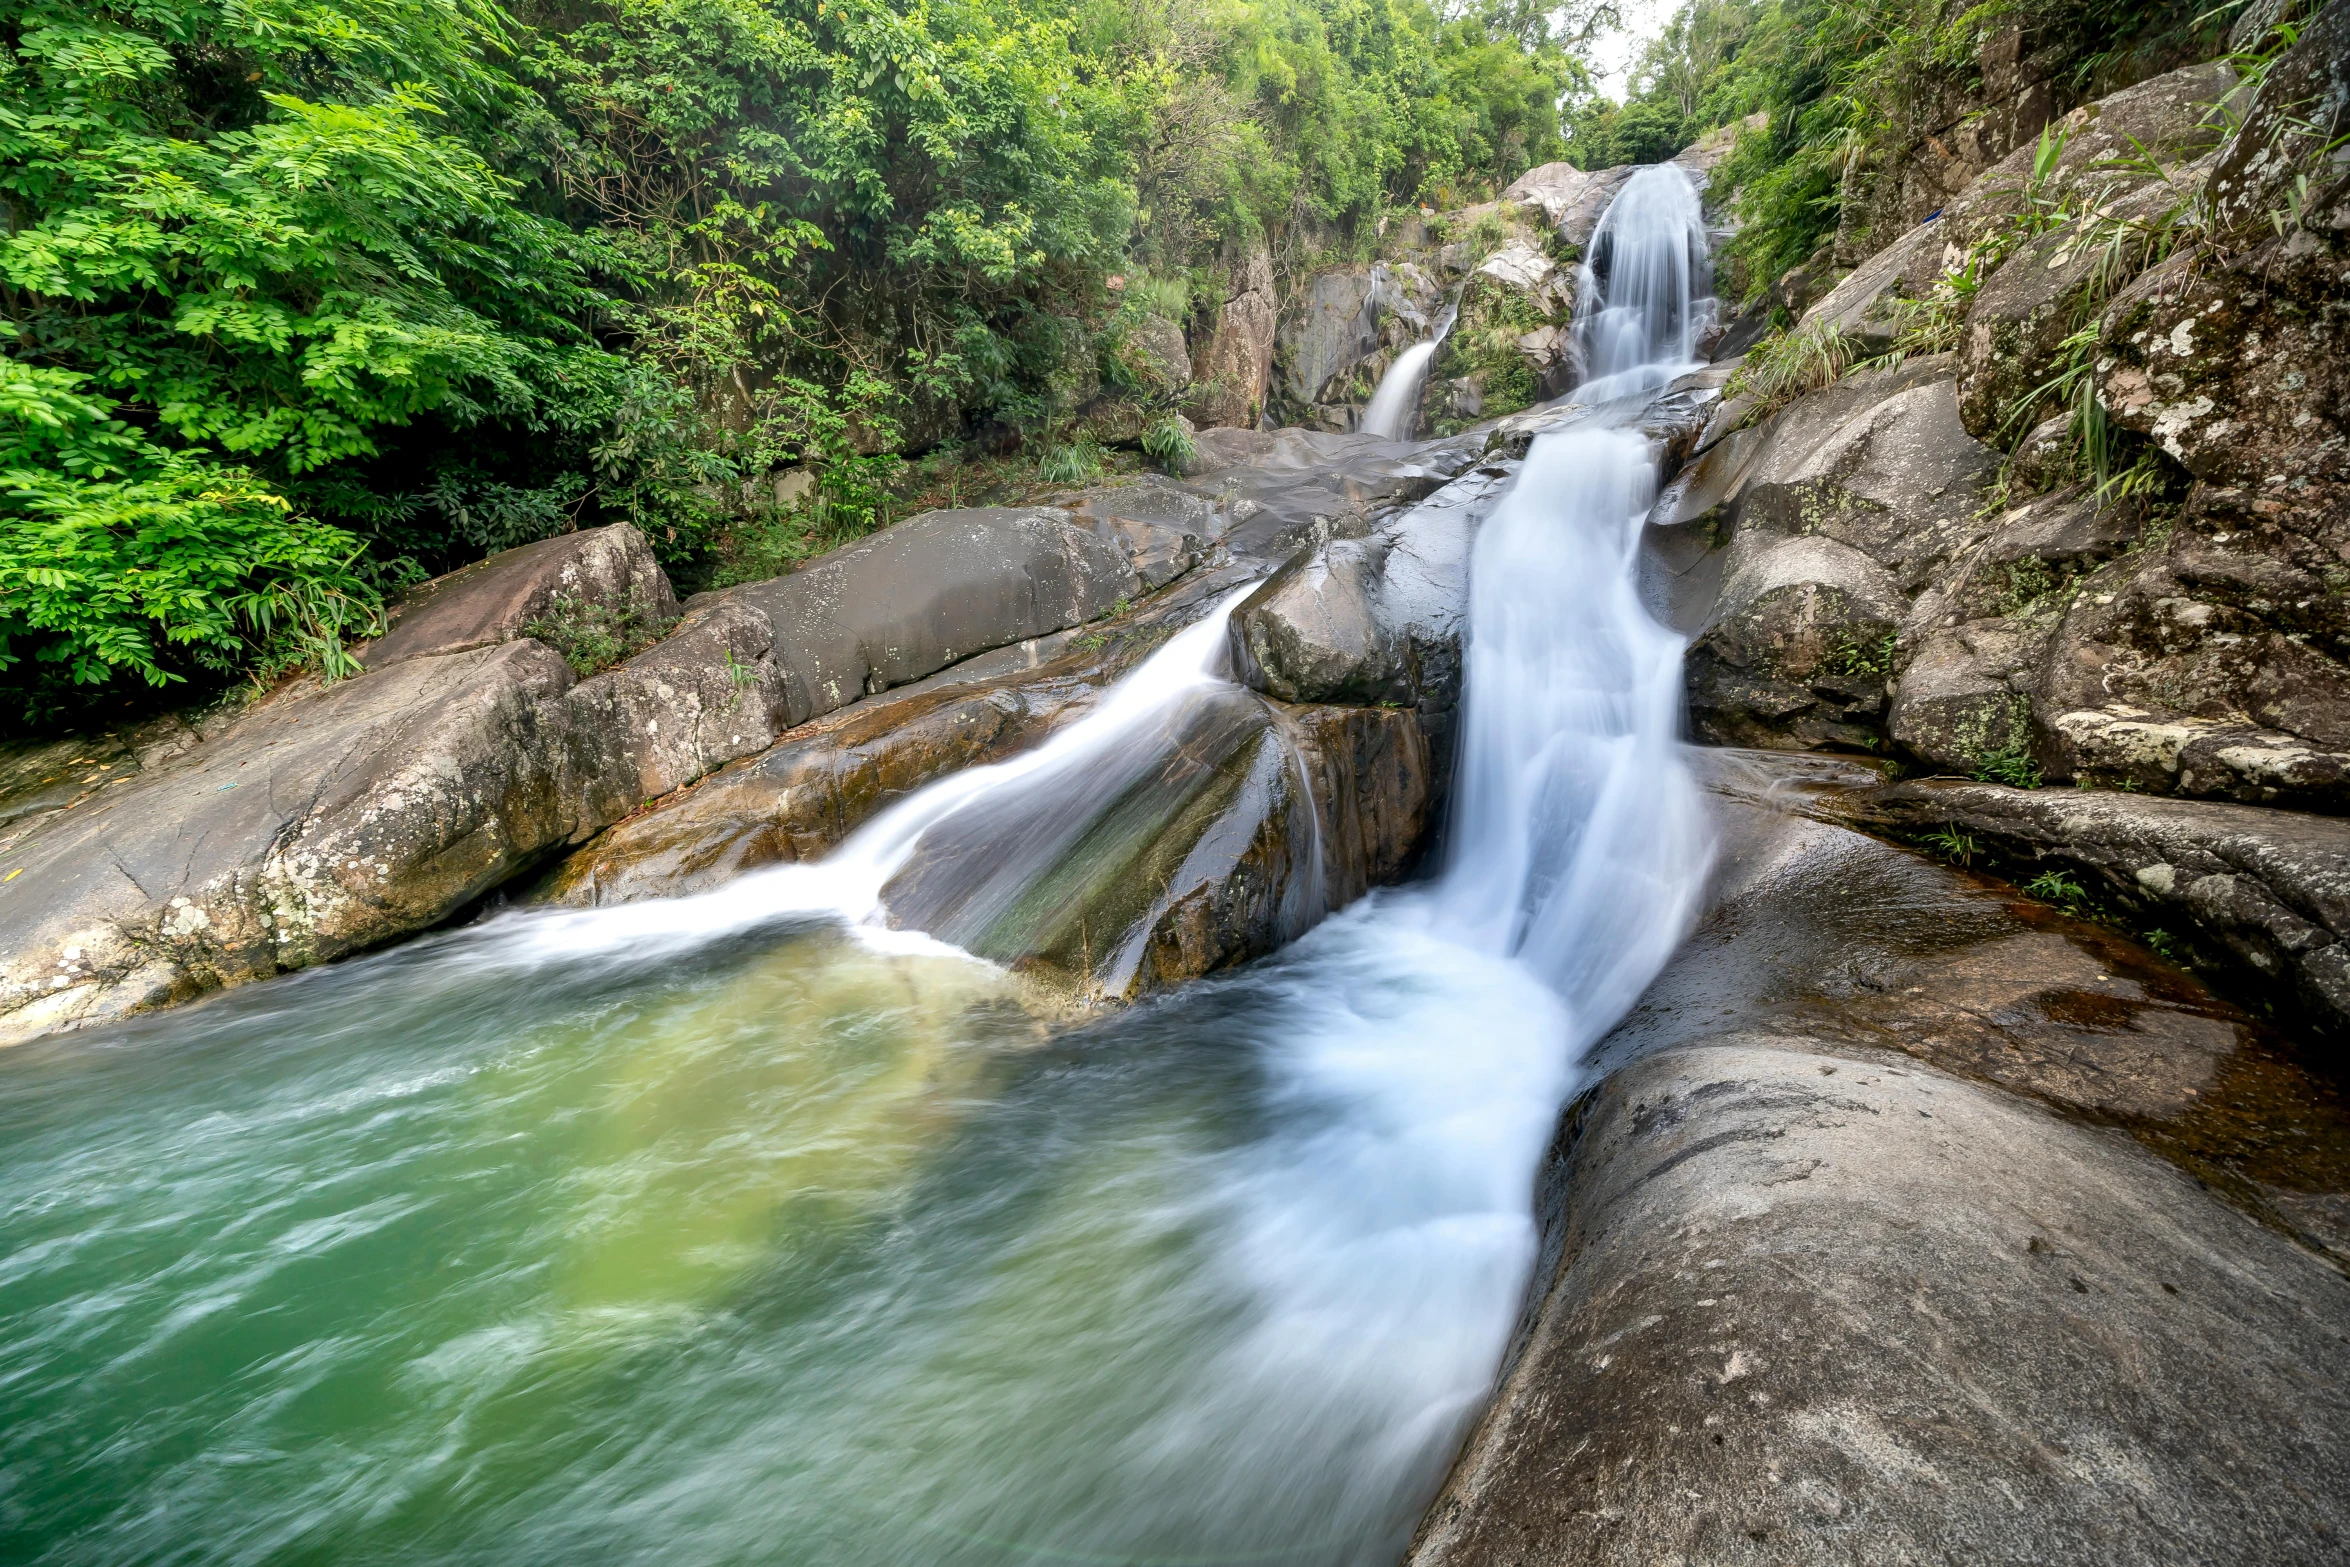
(593, 637)
(119, 557)
(1169, 440)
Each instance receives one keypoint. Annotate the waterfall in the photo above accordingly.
(1031, 807)
(680, 1233)
(1395, 403)
(1647, 281)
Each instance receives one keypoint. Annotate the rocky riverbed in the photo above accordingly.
(1910, 1216)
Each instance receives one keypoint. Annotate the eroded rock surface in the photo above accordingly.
(929, 591)
(1873, 1242)
(2267, 890)
(333, 820)
(491, 600)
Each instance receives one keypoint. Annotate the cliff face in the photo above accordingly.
(2098, 538)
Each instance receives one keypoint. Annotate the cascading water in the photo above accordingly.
(1395, 402)
(701, 1232)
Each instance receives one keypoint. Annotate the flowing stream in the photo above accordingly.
(1394, 407)
(750, 1228)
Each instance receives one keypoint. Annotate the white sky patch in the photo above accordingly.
(1618, 49)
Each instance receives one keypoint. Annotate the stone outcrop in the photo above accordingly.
(1830, 517)
(929, 591)
(1233, 370)
(2187, 645)
(2168, 117)
(1818, 1310)
(1199, 845)
(491, 601)
(1191, 849)
(1906, 1221)
(1343, 332)
(329, 821)
(1376, 620)
(1571, 200)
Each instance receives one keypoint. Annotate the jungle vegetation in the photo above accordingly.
(303, 301)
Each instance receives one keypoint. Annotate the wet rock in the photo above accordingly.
(1341, 334)
(1192, 849)
(1571, 200)
(929, 591)
(1164, 528)
(1376, 619)
(2269, 890)
(1313, 631)
(1855, 1148)
(824, 779)
(1374, 781)
(1760, 1237)
(329, 821)
(491, 600)
(1299, 487)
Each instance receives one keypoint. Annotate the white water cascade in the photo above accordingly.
(1396, 399)
(685, 1232)
(1423, 1040)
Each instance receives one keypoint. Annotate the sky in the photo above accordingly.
(1617, 49)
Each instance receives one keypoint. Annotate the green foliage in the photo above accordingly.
(1854, 659)
(1957, 847)
(340, 297)
(1169, 440)
(122, 557)
(592, 636)
(1848, 89)
(2061, 889)
(2010, 764)
(1789, 363)
(1484, 343)
(1072, 462)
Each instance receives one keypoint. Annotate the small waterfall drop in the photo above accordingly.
(678, 1233)
(1647, 283)
(1395, 402)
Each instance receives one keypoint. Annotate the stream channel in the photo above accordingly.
(761, 1227)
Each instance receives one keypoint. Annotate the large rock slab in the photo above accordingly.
(1890, 1233)
(1572, 201)
(930, 591)
(490, 601)
(1164, 528)
(1823, 1310)
(324, 821)
(334, 820)
(2265, 892)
